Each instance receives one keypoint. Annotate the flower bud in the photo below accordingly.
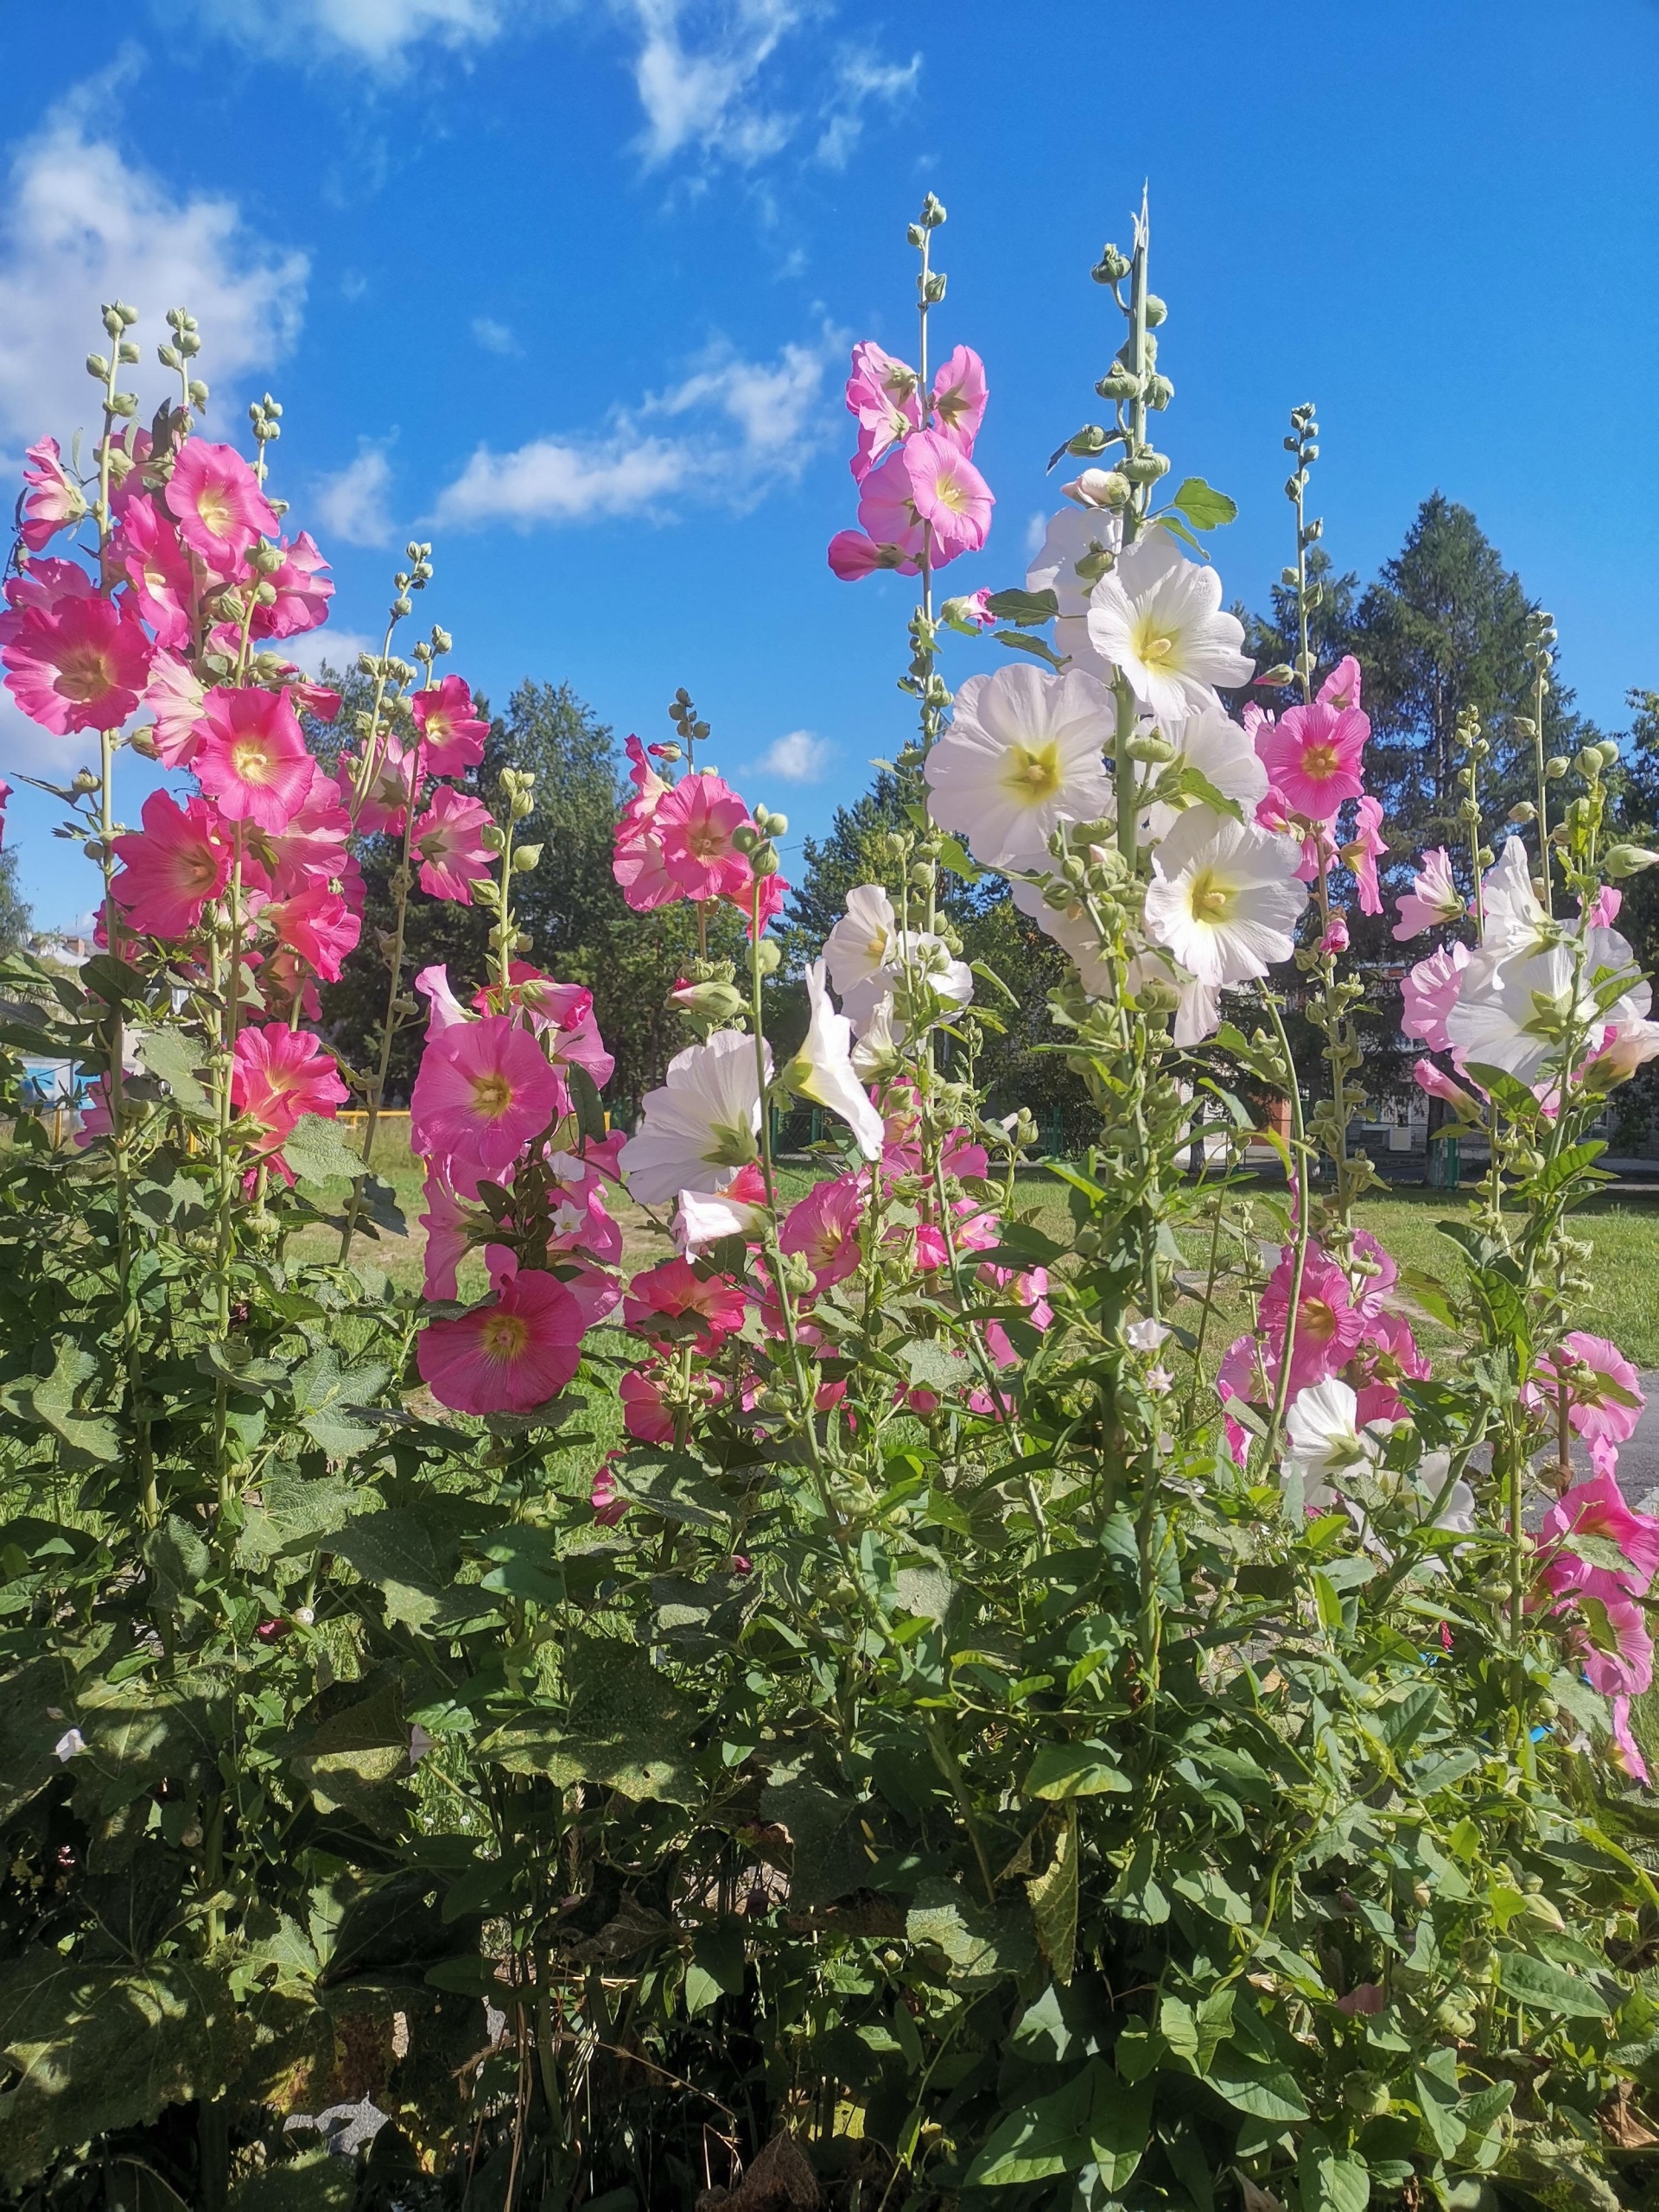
(1151, 747)
(124, 404)
(1156, 311)
(1112, 267)
(746, 837)
(196, 391)
(97, 367)
(1524, 811)
(1628, 859)
(1587, 761)
(1610, 753)
(715, 1002)
(491, 838)
(1098, 487)
(1118, 383)
(1280, 673)
(126, 351)
(1089, 441)
(1146, 467)
(1160, 392)
(768, 955)
(924, 874)
(764, 862)
(527, 859)
(1556, 767)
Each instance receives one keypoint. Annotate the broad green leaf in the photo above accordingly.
(982, 1945)
(1545, 1988)
(1037, 647)
(955, 855)
(170, 1055)
(1204, 507)
(1265, 2088)
(317, 1152)
(1063, 1770)
(1028, 609)
(1331, 2181)
(1053, 1897)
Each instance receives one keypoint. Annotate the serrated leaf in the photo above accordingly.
(168, 1055)
(1204, 507)
(1025, 609)
(317, 1152)
(1018, 642)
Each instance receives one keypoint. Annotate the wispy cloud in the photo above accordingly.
(82, 224)
(495, 337)
(799, 758)
(741, 427)
(861, 77)
(351, 504)
(697, 75)
(376, 34)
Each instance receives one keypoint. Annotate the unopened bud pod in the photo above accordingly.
(1280, 673)
(746, 837)
(1118, 383)
(96, 365)
(1112, 267)
(197, 392)
(1146, 467)
(491, 837)
(1610, 753)
(1155, 310)
(768, 955)
(1151, 747)
(527, 859)
(1587, 761)
(1628, 859)
(1524, 811)
(1160, 391)
(1556, 767)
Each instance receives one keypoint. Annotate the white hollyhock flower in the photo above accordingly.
(1429, 1481)
(1146, 1336)
(1213, 744)
(1075, 534)
(823, 1069)
(1223, 897)
(1515, 1010)
(1022, 755)
(1322, 1438)
(876, 1053)
(922, 970)
(701, 1126)
(1512, 919)
(1158, 619)
(858, 949)
(701, 1219)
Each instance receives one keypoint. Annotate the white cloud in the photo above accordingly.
(352, 506)
(377, 34)
(696, 72)
(339, 648)
(81, 225)
(1036, 531)
(495, 337)
(861, 77)
(748, 425)
(800, 758)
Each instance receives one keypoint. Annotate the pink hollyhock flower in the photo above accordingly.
(1272, 808)
(1328, 1325)
(1436, 1083)
(170, 868)
(313, 848)
(443, 1008)
(1363, 850)
(975, 1229)
(1626, 1751)
(701, 1219)
(5, 794)
(637, 862)
(317, 924)
(597, 1293)
(42, 584)
(303, 589)
(1378, 1286)
(483, 1092)
(762, 900)
(960, 1156)
(507, 1357)
(1388, 1355)
(1596, 1508)
(453, 733)
(284, 977)
(174, 696)
(252, 757)
(694, 823)
(277, 1075)
(824, 1226)
(215, 498)
(1433, 899)
(1611, 1635)
(1247, 1373)
(674, 1291)
(883, 393)
(448, 839)
(931, 1251)
(1603, 907)
(1028, 1290)
(75, 664)
(928, 482)
(1312, 754)
(54, 500)
(1428, 994)
(645, 1416)
(608, 1506)
(1334, 936)
(960, 392)
(854, 554)
(318, 700)
(448, 1226)
(1340, 689)
(562, 1015)
(1596, 1407)
(165, 586)
(391, 788)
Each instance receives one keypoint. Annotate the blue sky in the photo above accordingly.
(568, 289)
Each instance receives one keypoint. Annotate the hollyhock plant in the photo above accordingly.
(823, 1228)
(251, 757)
(172, 867)
(1596, 1508)
(484, 1091)
(1313, 755)
(1022, 755)
(78, 663)
(451, 731)
(883, 393)
(1433, 899)
(508, 1356)
(1363, 851)
(1428, 994)
(1520, 1012)
(449, 839)
(857, 951)
(644, 1415)
(216, 500)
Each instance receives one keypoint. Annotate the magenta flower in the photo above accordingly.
(452, 731)
(1363, 850)
(1312, 754)
(448, 838)
(824, 1227)
(252, 757)
(562, 1015)
(447, 1224)
(608, 1504)
(1334, 936)
(303, 589)
(43, 584)
(1433, 899)
(164, 584)
(694, 825)
(174, 696)
(1612, 1637)
(279, 1074)
(960, 392)
(54, 500)
(883, 392)
(637, 861)
(1388, 1355)
(929, 481)
(509, 1356)
(313, 847)
(1328, 1325)
(483, 1092)
(74, 662)
(1604, 1405)
(215, 498)
(645, 1416)
(853, 554)
(1626, 1751)
(1340, 689)
(1436, 1083)
(391, 789)
(675, 1290)
(1428, 994)
(317, 924)
(171, 867)
(1596, 1508)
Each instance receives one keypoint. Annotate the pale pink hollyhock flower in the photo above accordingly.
(303, 590)
(674, 1291)
(1247, 1373)
(174, 696)
(391, 789)
(54, 500)
(701, 1219)
(317, 924)
(75, 664)
(448, 1224)
(165, 586)
(975, 1229)
(1604, 907)
(1612, 1637)
(1334, 936)
(694, 825)
(251, 756)
(932, 1252)
(1028, 1290)
(562, 1015)
(1273, 809)
(1629, 1044)
(1313, 755)
(960, 392)
(608, 1506)
(1340, 689)
(1436, 1083)
(170, 868)
(448, 839)
(451, 731)
(1627, 1752)
(760, 902)
(1328, 1325)
(1387, 1356)
(645, 1416)
(1428, 994)
(929, 481)
(215, 498)
(1433, 899)
(1594, 1409)
(1363, 850)
(637, 861)
(313, 847)
(1377, 1287)
(319, 700)
(483, 1092)
(507, 1357)
(962, 1157)
(823, 1227)
(883, 392)
(854, 554)
(597, 1293)
(1596, 1508)
(280, 1073)
(444, 1010)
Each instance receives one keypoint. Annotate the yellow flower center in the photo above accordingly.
(1319, 761)
(491, 1095)
(951, 494)
(213, 505)
(1151, 643)
(875, 950)
(87, 673)
(505, 1336)
(1210, 899)
(1318, 1320)
(249, 760)
(1031, 773)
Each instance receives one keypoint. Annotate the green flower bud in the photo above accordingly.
(97, 367)
(1112, 267)
(1524, 811)
(1118, 383)
(1628, 859)
(1151, 747)
(1155, 310)
(1090, 439)
(715, 1002)
(1160, 392)
(1609, 750)
(492, 838)
(1279, 673)
(1587, 761)
(768, 955)
(527, 859)
(746, 837)
(1146, 467)
(1556, 767)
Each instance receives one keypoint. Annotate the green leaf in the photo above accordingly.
(1262, 2087)
(1017, 642)
(1204, 507)
(170, 1055)
(327, 1396)
(89, 1436)
(116, 982)
(955, 855)
(981, 1946)
(584, 1097)
(1401, 1722)
(1095, 2119)
(1438, 2094)
(1065, 1771)
(350, 1747)
(317, 1152)
(1053, 1897)
(1028, 609)
(1545, 1988)
(1330, 2181)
